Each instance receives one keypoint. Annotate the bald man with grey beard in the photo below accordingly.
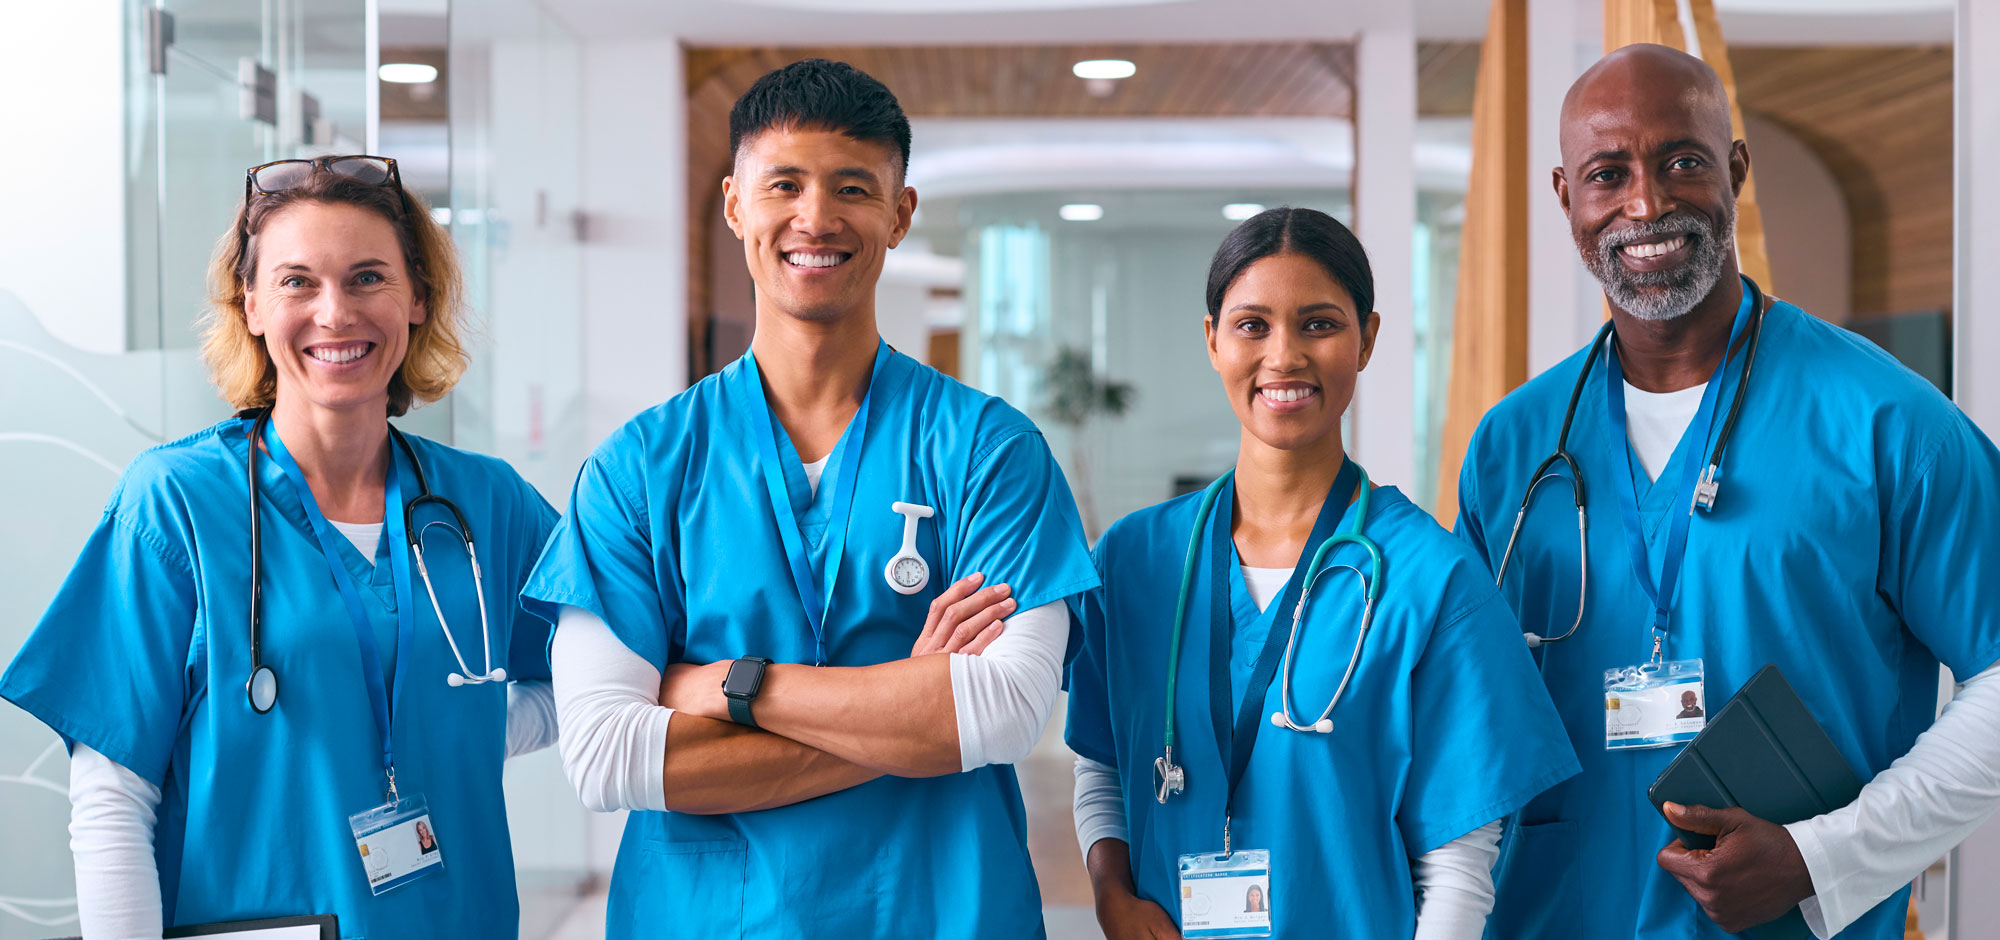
(1844, 534)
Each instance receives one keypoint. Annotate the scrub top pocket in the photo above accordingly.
(1540, 862)
(707, 879)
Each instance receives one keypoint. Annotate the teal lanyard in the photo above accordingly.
(816, 598)
(1237, 743)
(379, 702)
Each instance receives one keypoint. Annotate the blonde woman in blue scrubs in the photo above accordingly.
(201, 795)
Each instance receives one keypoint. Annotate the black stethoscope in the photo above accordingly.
(263, 685)
(1705, 490)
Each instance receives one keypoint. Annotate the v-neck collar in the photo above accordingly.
(378, 576)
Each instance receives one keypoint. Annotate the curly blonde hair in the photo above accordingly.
(241, 366)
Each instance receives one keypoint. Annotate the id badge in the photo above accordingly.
(398, 843)
(1654, 705)
(1226, 897)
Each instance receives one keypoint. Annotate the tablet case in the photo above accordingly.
(328, 924)
(1763, 752)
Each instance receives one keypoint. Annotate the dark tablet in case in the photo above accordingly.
(327, 925)
(1764, 752)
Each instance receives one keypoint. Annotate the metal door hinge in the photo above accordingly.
(159, 30)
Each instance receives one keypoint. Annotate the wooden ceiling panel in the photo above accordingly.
(1446, 72)
(1209, 80)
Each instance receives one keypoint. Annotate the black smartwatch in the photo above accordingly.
(745, 680)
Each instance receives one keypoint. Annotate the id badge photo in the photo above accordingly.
(398, 843)
(1226, 896)
(1654, 705)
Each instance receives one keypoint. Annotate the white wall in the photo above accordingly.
(634, 259)
(1565, 306)
(1806, 228)
(1385, 215)
(1975, 906)
(62, 249)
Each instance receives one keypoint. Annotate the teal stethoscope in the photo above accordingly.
(1170, 778)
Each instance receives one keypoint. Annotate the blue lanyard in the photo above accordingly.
(815, 598)
(1239, 742)
(1682, 509)
(364, 635)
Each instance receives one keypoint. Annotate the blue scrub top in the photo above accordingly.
(1444, 729)
(1856, 503)
(672, 538)
(144, 652)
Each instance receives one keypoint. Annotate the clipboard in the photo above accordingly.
(313, 927)
(1763, 752)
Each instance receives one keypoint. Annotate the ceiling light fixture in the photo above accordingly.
(407, 73)
(1081, 212)
(1238, 211)
(1109, 69)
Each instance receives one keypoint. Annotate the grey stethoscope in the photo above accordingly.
(1170, 778)
(263, 685)
(1705, 490)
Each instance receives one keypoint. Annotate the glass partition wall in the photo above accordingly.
(210, 88)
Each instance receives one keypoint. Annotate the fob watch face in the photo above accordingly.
(908, 572)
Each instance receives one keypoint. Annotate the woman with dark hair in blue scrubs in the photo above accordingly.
(1349, 709)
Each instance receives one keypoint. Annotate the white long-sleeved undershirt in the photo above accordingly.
(112, 815)
(614, 731)
(1912, 813)
(1454, 881)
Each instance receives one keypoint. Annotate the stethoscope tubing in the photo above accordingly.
(263, 703)
(1171, 778)
(1759, 307)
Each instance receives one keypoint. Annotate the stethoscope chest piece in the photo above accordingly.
(263, 690)
(907, 572)
(1169, 778)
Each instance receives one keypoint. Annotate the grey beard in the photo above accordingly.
(1662, 295)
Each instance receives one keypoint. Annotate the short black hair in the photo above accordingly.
(824, 95)
(1307, 232)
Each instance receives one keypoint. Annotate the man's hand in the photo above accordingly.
(964, 619)
(1753, 875)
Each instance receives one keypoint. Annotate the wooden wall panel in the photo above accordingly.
(1654, 21)
(1881, 119)
(1489, 336)
(1210, 80)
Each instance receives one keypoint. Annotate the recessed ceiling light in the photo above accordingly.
(1238, 211)
(407, 73)
(1104, 68)
(1081, 212)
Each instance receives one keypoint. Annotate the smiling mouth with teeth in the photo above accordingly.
(816, 259)
(1287, 394)
(1654, 249)
(340, 355)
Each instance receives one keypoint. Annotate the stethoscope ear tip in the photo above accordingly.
(1533, 640)
(1323, 726)
(454, 680)
(499, 675)
(1278, 718)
